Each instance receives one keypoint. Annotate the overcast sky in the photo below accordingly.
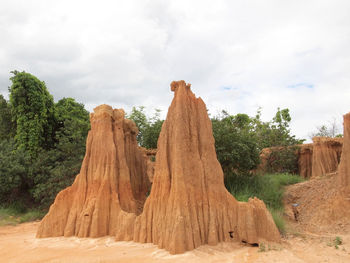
(238, 55)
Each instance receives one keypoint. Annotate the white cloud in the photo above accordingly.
(270, 53)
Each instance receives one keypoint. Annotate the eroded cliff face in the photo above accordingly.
(305, 160)
(110, 189)
(344, 165)
(313, 160)
(324, 202)
(189, 205)
(326, 155)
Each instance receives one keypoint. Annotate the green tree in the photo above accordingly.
(56, 169)
(152, 131)
(275, 132)
(240, 138)
(32, 109)
(235, 143)
(149, 128)
(49, 144)
(14, 179)
(327, 130)
(138, 115)
(7, 128)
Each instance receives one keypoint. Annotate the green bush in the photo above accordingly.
(268, 188)
(31, 216)
(338, 241)
(283, 160)
(12, 216)
(14, 179)
(149, 127)
(277, 216)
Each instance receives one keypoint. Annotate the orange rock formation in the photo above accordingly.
(326, 155)
(324, 202)
(189, 205)
(305, 160)
(264, 159)
(112, 184)
(315, 159)
(344, 165)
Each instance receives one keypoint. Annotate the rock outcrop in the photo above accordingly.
(110, 189)
(324, 201)
(305, 160)
(189, 205)
(264, 156)
(313, 160)
(326, 155)
(344, 165)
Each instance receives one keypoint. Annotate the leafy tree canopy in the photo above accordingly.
(235, 144)
(32, 109)
(56, 169)
(240, 138)
(331, 129)
(149, 128)
(7, 127)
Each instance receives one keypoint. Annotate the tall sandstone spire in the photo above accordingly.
(111, 187)
(189, 205)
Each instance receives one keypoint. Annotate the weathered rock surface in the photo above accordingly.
(264, 156)
(111, 187)
(326, 155)
(313, 160)
(344, 165)
(151, 154)
(189, 205)
(305, 160)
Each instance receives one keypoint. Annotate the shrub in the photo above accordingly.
(268, 188)
(283, 160)
(12, 216)
(277, 216)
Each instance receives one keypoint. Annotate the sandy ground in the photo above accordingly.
(18, 244)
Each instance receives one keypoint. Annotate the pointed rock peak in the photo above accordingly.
(189, 205)
(180, 84)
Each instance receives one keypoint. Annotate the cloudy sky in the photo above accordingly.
(238, 55)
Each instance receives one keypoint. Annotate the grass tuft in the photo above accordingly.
(11, 216)
(277, 216)
(268, 187)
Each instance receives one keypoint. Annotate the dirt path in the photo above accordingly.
(18, 244)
